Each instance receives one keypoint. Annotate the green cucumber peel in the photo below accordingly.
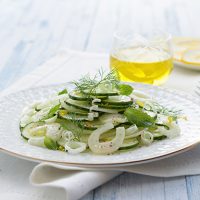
(50, 144)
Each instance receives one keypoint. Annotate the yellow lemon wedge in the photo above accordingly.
(183, 44)
(186, 42)
(191, 57)
(177, 54)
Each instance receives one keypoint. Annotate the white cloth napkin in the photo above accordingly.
(79, 181)
(76, 182)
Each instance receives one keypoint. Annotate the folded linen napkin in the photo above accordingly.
(68, 65)
(77, 182)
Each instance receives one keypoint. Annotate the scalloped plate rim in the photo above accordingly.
(88, 164)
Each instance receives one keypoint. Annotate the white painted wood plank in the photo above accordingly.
(165, 17)
(77, 30)
(193, 187)
(48, 33)
(105, 23)
(175, 188)
(132, 186)
(140, 187)
(45, 36)
(152, 188)
(184, 22)
(14, 175)
(129, 186)
(88, 196)
(10, 27)
(108, 190)
(192, 9)
(20, 52)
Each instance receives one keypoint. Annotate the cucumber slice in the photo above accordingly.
(109, 106)
(115, 119)
(120, 100)
(72, 116)
(84, 138)
(76, 95)
(158, 136)
(78, 105)
(87, 92)
(27, 134)
(91, 125)
(24, 137)
(125, 125)
(108, 110)
(71, 126)
(129, 143)
(77, 112)
(75, 117)
(82, 105)
(72, 109)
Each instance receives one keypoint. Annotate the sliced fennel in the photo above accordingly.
(102, 115)
(106, 147)
(75, 147)
(39, 141)
(146, 137)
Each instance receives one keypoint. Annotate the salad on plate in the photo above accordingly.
(101, 115)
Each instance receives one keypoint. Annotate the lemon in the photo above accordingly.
(177, 54)
(182, 44)
(186, 42)
(191, 57)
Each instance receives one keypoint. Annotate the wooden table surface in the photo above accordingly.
(34, 30)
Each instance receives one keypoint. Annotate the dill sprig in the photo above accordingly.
(79, 127)
(77, 130)
(91, 83)
(160, 109)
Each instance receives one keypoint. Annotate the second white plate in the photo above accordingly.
(187, 66)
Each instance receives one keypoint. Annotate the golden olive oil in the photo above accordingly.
(142, 64)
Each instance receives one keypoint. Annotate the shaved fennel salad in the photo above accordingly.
(101, 115)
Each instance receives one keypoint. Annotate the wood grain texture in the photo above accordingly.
(33, 31)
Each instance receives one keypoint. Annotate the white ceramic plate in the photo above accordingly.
(12, 143)
(187, 66)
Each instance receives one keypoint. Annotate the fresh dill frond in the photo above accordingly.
(92, 83)
(85, 82)
(160, 109)
(112, 77)
(79, 127)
